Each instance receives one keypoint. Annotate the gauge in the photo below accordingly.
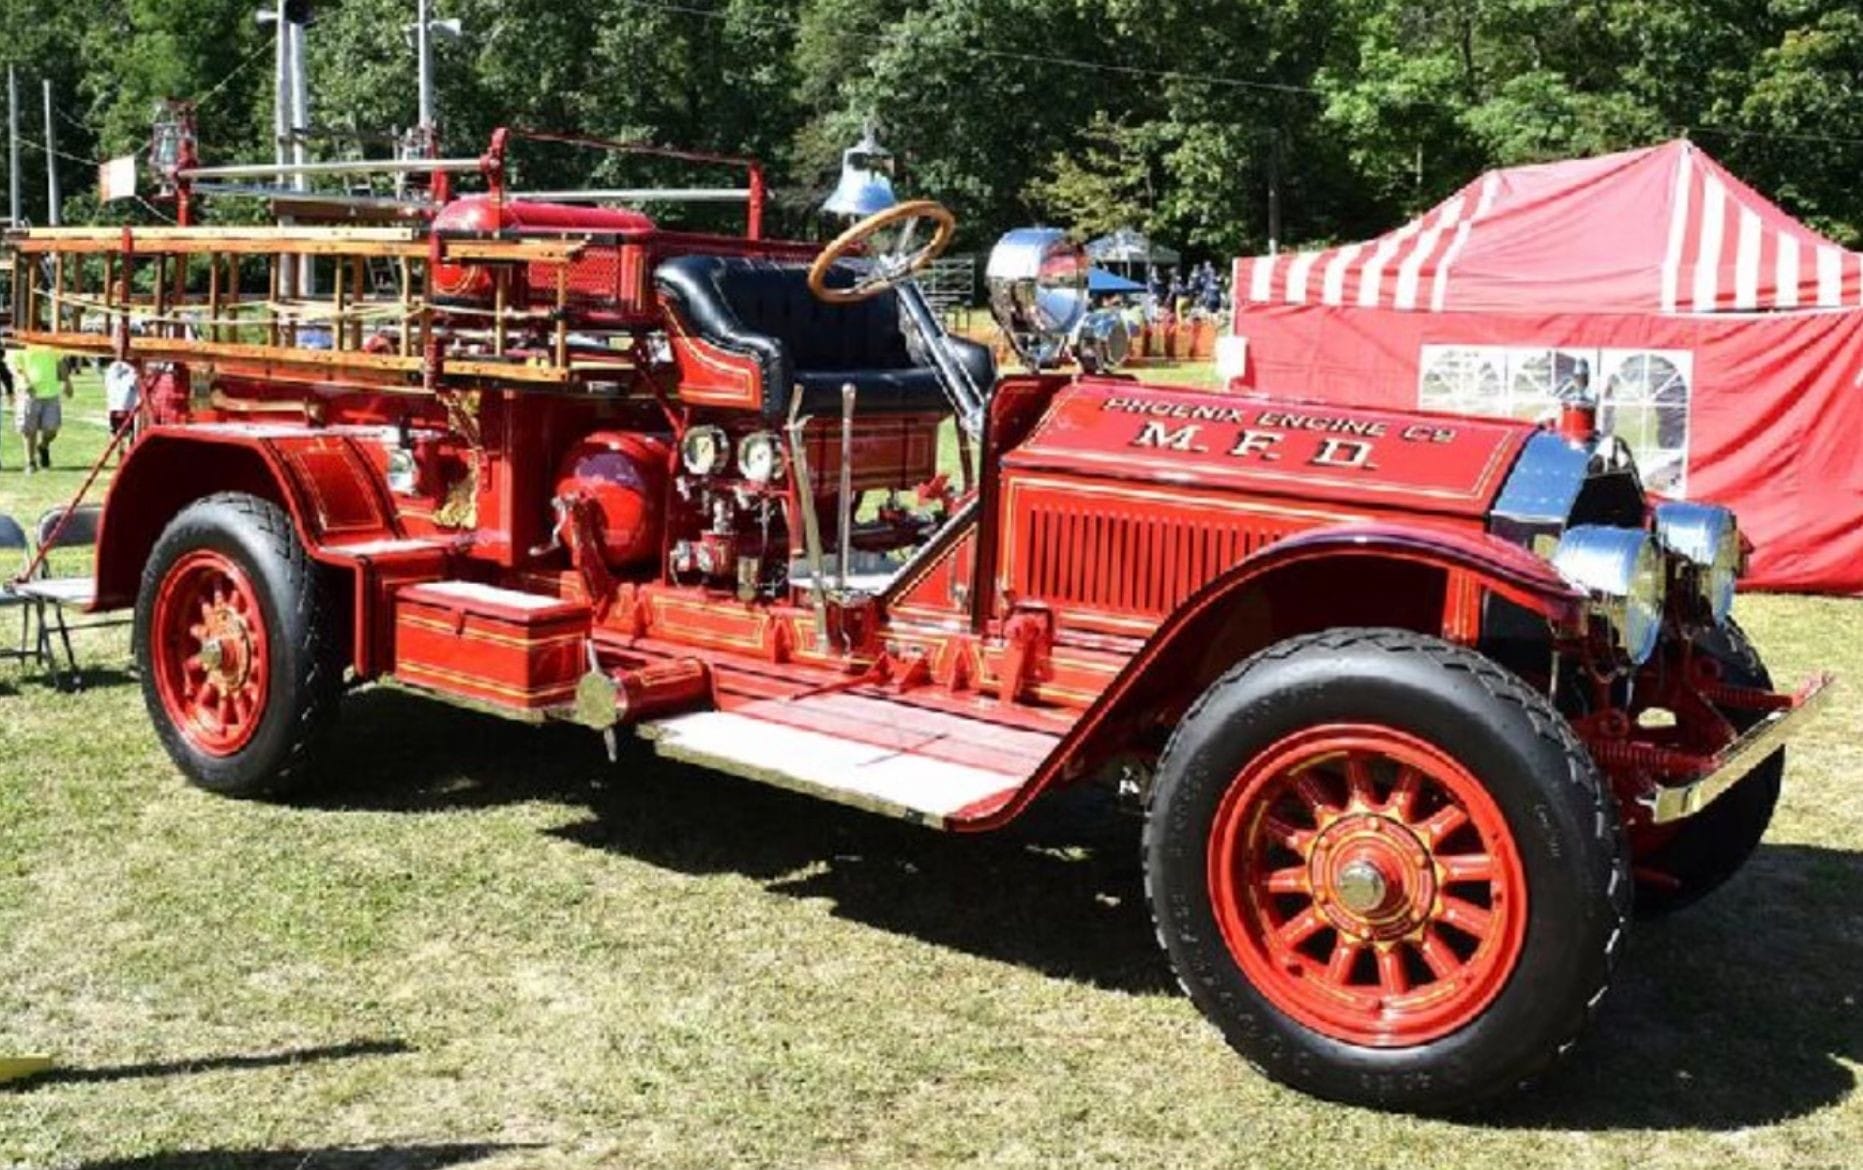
(704, 450)
(759, 458)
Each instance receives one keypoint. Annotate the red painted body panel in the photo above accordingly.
(465, 639)
(1324, 455)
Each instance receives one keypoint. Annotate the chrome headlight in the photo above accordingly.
(1708, 537)
(1621, 569)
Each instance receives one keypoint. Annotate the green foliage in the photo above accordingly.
(1173, 115)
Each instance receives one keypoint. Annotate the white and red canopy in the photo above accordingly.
(1665, 229)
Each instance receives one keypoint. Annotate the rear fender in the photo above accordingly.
(326, 483)
(1430, 580)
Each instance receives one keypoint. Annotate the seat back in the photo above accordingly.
(771, 298)
(748, 330)
(80, 531)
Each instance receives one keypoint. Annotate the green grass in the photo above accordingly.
(484, 945)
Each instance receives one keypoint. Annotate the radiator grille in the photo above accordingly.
(1116, 558)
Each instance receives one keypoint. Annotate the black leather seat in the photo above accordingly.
(763, 310)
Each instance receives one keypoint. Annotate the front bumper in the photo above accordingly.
(1732, 763)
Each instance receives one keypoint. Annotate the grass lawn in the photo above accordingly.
(483, 945)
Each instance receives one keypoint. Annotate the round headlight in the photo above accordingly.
(1707, 536)
(1621, 569)
(704, 450)
(759, 458)
(1102, 341)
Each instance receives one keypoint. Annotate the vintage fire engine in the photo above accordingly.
(1413, 705)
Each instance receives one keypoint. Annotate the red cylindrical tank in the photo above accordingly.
(625, 474)
(479, 214)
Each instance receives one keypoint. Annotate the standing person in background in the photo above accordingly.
(6, 386)
(120, 380)
(38, 375)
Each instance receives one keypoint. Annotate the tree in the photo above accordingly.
(1104, 184)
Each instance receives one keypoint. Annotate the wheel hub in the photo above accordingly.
(226, 648)
(1372, 879)
(1361, 887)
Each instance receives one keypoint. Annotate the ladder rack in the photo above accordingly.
(554, 311)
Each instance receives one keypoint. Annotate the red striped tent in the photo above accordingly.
(1724, 338)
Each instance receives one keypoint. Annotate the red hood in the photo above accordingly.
(1386, 460)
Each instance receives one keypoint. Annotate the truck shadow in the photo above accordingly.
(1737, 1013)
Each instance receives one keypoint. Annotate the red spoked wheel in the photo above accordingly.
(1367, 883)
(211, 662)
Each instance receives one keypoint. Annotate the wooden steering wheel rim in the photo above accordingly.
(844, 243)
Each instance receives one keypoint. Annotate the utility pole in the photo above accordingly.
(283, 99)
(422, 32)
(423, 49)
(12, 145)
(51, 160)
(1274, 192)
(299, 121)
(300, 101)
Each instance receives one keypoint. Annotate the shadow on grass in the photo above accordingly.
(169, 1068)
(1735, 1013)
(362, 1158)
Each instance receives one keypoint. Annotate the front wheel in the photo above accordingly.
(239, 646)
(1386, 870)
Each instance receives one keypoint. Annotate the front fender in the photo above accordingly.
(1270, 597)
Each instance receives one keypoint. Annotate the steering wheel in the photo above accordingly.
(895, 265)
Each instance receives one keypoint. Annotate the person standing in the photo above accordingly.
(39, 374)
(6, 386)
(120, 379)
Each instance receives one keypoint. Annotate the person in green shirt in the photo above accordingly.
(39, 374)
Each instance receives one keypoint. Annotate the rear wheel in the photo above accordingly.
(239, 646)
(1386, 869)
(1696, 856)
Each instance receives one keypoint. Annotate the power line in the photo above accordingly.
(64, 154)
(262, 51)
(1011, 55)
(672, 6)
(1766, 136)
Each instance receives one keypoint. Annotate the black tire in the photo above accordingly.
(1556, 806)
(301, 609)
(1711, 846)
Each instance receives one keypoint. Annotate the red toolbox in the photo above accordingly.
(498, 646)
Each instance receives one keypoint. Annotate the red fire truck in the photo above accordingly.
(1414, 706)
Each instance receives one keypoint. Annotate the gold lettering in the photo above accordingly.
(1342, 453)
(1256, 443)
(1156, 434)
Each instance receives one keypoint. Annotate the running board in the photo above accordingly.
(917, 765)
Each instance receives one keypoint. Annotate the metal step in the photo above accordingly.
(930, 767)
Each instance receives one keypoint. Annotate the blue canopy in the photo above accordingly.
(1101, 282)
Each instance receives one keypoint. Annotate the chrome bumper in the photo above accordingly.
(1740, 757)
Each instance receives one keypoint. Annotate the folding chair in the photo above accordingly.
(13, 539)
(60, 593)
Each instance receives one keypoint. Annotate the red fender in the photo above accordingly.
(322, 477)
(1464, 557)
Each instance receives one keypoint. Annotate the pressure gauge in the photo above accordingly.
(759, 458)
(704, 450)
